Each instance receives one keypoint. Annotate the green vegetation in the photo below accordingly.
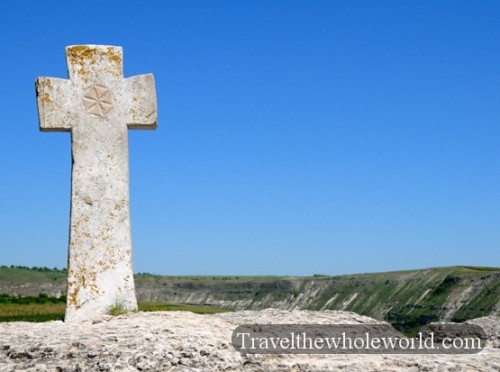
(32, 312)
(117, 309)
(35, 268)
(44, 308)
(31, 309)
(481, 304)
(29, 300)
(197, 309)
(31, 274)
(407, 299)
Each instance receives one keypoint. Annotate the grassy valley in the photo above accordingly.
(407, 299)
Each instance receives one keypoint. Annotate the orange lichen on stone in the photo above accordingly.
(80, 53)
(85, 56)
(73, 296)
(42, 86)
(46, 98)
(113, 56)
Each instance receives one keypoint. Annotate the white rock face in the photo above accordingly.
(98, 106)
(180, 341)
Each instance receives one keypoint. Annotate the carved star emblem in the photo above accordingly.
(97, 100)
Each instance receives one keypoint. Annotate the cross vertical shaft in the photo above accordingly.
(98, 106)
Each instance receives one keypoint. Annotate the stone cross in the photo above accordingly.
(97, 105)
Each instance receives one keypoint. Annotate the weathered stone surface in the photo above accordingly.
(98, 106)
(180, 341)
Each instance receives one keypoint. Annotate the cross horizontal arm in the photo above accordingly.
(55, 97)
(142, 102)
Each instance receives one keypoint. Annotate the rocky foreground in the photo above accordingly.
(183, 341)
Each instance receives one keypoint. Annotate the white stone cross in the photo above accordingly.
(97, 105)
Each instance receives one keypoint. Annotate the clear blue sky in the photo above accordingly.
(294, 137)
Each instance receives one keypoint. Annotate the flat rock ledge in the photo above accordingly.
(183, 341)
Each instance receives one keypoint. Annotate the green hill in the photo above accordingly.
(407, 299)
